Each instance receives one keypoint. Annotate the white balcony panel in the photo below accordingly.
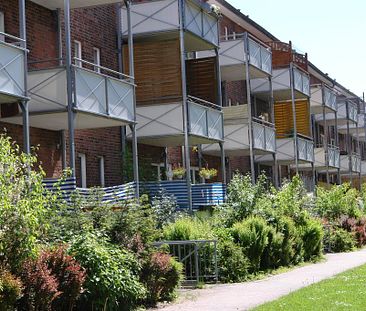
(258, 136)
(333, 157)
(120, 99)
(47, 90)
(355, 164)
(316, 99)
(90, 91)
(162, 16)
(305, 149)
(284, 152)
(330, 99)
(198, 120)
(11, 73)
(214, 124)
(344, 164)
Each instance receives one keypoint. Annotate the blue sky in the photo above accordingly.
(333, 33)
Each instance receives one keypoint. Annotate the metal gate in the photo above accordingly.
(199, 258)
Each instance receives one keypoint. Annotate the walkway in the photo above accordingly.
(244, 296)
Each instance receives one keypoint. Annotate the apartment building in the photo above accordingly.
(61, 86)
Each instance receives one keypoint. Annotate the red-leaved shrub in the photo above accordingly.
(161, 275)
(53, 281)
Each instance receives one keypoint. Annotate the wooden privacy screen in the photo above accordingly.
(201, 78)
(284, 120)
(157, 71)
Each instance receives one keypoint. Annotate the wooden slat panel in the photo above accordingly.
(284, 120)
(157, 71)
(201, 78)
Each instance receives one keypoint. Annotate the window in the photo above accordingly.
(96, 59)
(77, 53)
(160, 170)
(82, 163)
(101, 171)
(2, 26)
(195, 176)
(234, 35)
(226, 33)
(229, 102)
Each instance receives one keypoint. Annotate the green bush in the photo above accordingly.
(338, 201)
(10, 290)
(162, 275)
(25, 205)
(312, 236)
(112, 274)
(339, 240)
(232, 263)
(187, 228)
(273, 253)
(252, 235)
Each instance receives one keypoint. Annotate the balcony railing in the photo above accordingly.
(162, 16)
(330, 98)
(333, 156)
(106, 93)
(356, 162)
(232, 52)
(205, 118)
(305, 149)
(12, 67)
(264, 135)
(301, 81)
(352, 111)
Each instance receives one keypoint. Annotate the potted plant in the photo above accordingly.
(179, 172)
(208, 173)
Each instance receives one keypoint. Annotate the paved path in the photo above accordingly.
(244, 296)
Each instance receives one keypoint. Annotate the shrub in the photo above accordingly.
(273, 253)
(70, 276)
(40, 286)
(232, 263)
(25, 206)
(243, 195)
(252, 235)
(339, 240)
(112, 273)
(164, 207)
(187, 228)
(162, 275)
(312, 236)
(338, 201)
(10, 290)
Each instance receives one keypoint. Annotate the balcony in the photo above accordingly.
(333, 156)
(347, 111)
(322, 162)
(355, 163)
(285, 151)
(100, 99)
(282, 83)
(12, 69)
(322, 97)
(233, 50)
(163, 124)
(236, 128)
(305, 149)
(162, 18)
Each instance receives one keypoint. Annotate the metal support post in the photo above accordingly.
(249, 104)
(349, 145)
(294, 118)
(275, 163)
(337, 143)
(185, 106)
(24, 103)
(133, 126)
(325, 139)
(223, 165)
(70, 103)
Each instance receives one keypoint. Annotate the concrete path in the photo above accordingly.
(244, 296)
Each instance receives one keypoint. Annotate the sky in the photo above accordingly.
(333, 33)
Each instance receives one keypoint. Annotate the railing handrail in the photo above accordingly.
(104, 68)
(176, 242)
(202, 102)
(241, 35)
(302, 136)
(263, 122)
(17, 44)
(7, 35)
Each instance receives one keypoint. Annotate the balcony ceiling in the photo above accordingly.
(59, 4)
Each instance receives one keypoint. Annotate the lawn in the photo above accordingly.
(345, 291)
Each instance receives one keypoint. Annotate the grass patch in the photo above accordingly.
(345, 291)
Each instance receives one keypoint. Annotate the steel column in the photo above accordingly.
(349, 145)
(223, 164)
(133, 126)
(275, 163)
(24, 103)
(249, 103)
(185, 106)
(325, 138)
(292, 81)
(358, 152)
(337, 143)
(70, 103)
